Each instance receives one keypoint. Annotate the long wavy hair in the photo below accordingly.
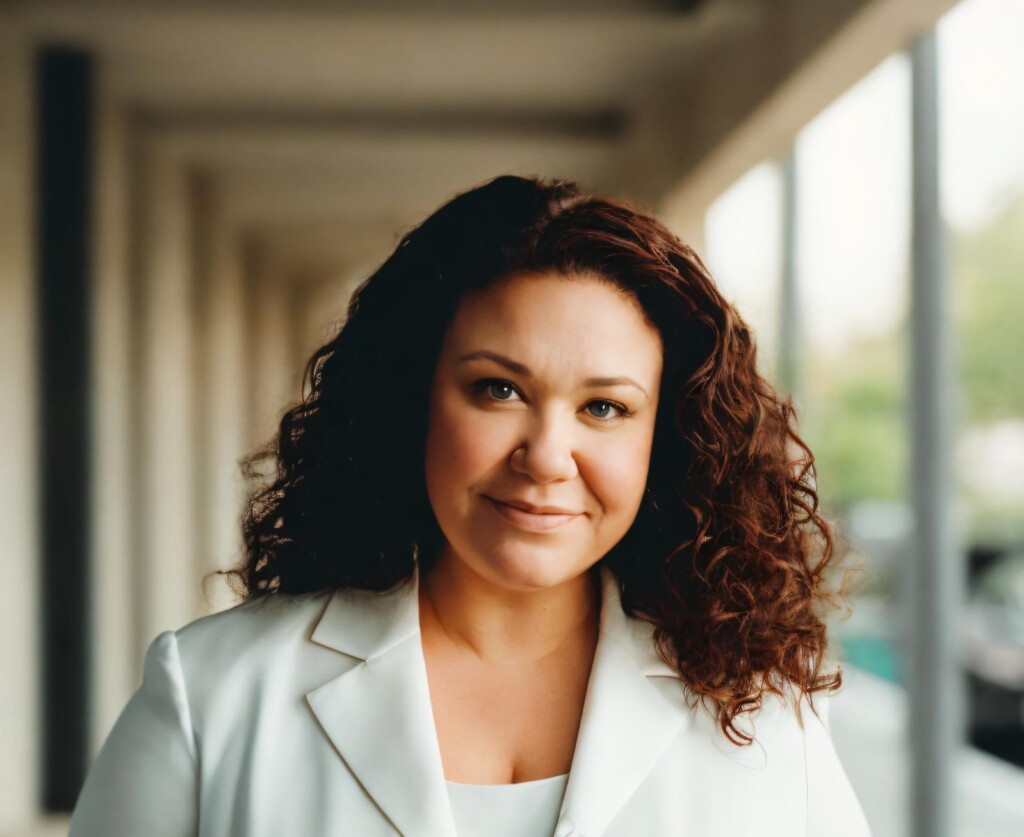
(728, 552)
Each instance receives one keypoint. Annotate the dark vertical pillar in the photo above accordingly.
(63, 195)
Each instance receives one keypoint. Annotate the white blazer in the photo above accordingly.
(311, 715)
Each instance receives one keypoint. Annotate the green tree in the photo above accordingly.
(854, 417)
(988, 271)
(855, 422)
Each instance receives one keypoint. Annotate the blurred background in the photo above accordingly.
(190, 191)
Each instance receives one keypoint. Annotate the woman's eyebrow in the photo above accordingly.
(507, 362)
(520, 369)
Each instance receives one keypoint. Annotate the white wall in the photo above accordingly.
(166, 594)
(274, 380)
(19, 692)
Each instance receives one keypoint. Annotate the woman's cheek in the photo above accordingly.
(620, 475)
(466, 439)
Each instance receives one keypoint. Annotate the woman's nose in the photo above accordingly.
(546, 453)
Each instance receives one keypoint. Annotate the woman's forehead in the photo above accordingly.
(527, 296)
(552, 321)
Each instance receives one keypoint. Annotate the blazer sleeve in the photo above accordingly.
(833, 809)
(144, 780)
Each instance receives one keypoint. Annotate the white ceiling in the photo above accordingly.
(367, 115)
(313, 56)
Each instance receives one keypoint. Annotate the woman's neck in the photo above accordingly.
(503, 627)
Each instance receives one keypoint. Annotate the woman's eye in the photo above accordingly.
(501, 390)
(604, 409)
(498, 390)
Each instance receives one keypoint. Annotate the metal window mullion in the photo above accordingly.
(935, 570)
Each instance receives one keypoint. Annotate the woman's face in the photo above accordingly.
(541, 424)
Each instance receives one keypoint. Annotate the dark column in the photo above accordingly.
(63, 195)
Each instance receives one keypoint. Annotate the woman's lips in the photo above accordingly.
(531, 521)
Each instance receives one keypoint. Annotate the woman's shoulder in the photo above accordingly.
(783, 716)
(789, 705)
(300, 637)
(249, 642)
(263, 618)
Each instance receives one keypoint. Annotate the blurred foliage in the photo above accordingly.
(855, 422)
(988, 270)
(855, 418)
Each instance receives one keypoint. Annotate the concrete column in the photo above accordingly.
(19, 596)
(324, 303)
(113, 666)
(274, 384)
(222, 370)
(166, 591)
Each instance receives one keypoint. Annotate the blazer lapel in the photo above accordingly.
(378, 714)
(626, 725)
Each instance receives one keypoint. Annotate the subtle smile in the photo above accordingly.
(531, 521)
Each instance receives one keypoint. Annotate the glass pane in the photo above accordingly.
(982, 169)
(852, 261)
(853, 222)
(743, 251)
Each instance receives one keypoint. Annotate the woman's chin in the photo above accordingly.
(531, 572)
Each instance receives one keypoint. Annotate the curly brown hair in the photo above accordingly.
(727, 554)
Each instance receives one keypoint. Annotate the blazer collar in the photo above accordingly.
(379, 718)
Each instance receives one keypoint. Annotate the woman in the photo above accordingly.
(540, 557)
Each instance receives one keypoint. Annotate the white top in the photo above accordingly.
(525, 809)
